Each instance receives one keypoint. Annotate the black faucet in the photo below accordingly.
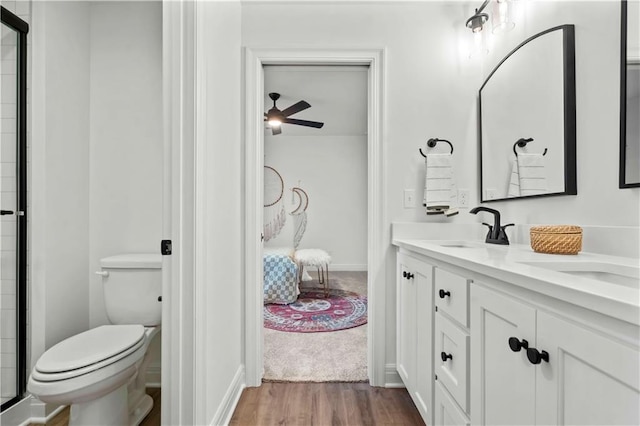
(496, 234)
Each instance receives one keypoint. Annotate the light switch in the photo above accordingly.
(409, 198)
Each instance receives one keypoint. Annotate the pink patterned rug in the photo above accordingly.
(313, 312)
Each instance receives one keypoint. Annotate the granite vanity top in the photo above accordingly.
(606, 284)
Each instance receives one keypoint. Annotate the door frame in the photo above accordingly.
(255, 59)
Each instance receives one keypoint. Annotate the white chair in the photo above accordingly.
(317, 258)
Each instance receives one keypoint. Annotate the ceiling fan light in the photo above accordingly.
(274, 122)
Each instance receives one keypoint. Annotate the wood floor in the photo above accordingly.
(305, 404)
(324, 404)
(152, 419)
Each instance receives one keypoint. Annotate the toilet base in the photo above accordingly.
(112, 409)
(141, 410)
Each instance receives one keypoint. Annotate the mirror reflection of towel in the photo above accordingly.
(514, 180)
(528, 175)
(533, 177)
(440, 191)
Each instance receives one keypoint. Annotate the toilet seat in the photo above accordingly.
(89, 351)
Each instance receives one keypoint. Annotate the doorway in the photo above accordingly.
(256, 59)
(316, 333)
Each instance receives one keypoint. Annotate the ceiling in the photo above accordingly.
(337, 94)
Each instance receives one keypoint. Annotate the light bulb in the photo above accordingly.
(500, 20)
(275, 123)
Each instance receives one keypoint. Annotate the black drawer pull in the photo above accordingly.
(5, 212)
(536, 357)
(409, 275)
(444, 294)
(516, 344)
(445, 356)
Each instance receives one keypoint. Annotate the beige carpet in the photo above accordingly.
(336, 356)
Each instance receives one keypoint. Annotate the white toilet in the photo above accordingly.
(101, 372)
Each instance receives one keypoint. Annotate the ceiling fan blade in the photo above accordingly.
(297, 107)
(307, 123)
(275, 130)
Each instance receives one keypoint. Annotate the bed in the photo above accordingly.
(280, 280)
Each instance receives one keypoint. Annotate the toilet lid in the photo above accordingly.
(91, 347)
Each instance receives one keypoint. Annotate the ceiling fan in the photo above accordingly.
(275, 117)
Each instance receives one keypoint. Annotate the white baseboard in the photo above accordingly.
(344, 267)
(29, 410)
(154, 377)
(391, 377)
(18, 414)
(231, 397)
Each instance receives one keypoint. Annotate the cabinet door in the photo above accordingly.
(502, 381)
(424, 339)
(415, 331)
(406, 323)
(589, 379)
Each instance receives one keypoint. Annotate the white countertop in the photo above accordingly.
(504, 263)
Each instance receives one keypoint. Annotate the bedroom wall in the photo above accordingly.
(329, 164)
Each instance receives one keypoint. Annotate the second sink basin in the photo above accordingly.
(628, 276)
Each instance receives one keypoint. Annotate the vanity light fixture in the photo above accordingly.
(500, 18)
(500, 22)
(476, 23)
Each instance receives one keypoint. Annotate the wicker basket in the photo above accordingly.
(556, 239)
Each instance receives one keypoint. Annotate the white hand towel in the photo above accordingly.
(440, 191)
(514, 181)
(532, 174)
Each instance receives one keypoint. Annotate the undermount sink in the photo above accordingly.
(459, 244)
(628, 276)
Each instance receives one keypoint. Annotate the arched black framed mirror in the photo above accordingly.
(527, 120)
(630, 94)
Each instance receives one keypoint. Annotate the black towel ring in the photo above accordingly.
(522, 142)
(432, 143)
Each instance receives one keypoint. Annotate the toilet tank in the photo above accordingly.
(132, 285)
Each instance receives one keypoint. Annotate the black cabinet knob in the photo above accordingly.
(404, 274)
(409, 275)
(516, 344)
(536, 357)
(445, 356)
(444, 294)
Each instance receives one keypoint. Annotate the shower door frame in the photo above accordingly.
(22, 28)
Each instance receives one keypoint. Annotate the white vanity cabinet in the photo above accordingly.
(414, 330)
(583, 376)
(507, 344)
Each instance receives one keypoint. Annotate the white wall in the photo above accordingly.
(329, 164)
(59, 221)
(431, 91)
(219, 329)
(125, 154)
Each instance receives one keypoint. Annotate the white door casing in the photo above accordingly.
(255, 59)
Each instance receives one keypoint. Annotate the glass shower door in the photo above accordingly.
(12, 208)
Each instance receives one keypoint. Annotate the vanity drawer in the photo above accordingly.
(451, 351)
(452, 295)
(446, 411)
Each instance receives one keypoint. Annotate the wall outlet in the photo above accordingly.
(409, 198)
(490, 193)
(463, 198)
